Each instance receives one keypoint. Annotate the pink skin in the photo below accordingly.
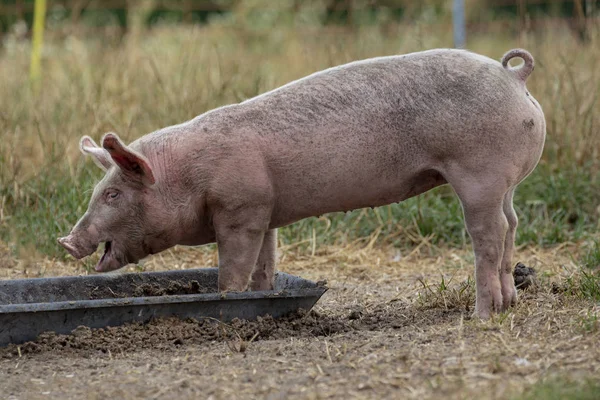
(112, 216)
(368, 133)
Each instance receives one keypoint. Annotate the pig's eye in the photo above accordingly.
(112, 195)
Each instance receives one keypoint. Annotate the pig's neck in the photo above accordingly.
(182, 157)
(177, 212)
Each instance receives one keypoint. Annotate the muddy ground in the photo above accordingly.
(383, 330)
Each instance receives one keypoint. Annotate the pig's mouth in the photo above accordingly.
(112, 258)
(107, 248)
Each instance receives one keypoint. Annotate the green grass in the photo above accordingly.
(585, 283)
(447, 294)
(48, 205)
(591, 258)
(589, 285)
(563, 389)
(170, 75)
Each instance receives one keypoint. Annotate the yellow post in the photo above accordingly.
(39, 15)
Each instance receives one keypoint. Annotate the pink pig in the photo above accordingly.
(363, 134)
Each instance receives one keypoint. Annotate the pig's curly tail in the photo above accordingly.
(525, 69)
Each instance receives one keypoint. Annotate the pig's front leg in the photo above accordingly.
(262, 277)
(239, 240)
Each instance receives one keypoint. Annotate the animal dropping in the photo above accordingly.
(367, 133)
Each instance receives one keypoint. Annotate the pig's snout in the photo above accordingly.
(75, 249)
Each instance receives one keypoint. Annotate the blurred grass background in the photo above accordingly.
(141, 66)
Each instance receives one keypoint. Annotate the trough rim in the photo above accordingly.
(165, 299)
(316, 289)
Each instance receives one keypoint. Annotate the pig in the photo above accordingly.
(363, 134)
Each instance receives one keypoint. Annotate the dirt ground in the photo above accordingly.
(384, 329)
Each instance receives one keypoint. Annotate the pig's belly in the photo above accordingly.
(295, 202)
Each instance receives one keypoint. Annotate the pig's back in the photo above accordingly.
(357, 135)
(394, 93)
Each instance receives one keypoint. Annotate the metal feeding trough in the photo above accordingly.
(29, 307)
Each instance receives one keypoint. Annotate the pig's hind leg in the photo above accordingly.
(509, 292)
(482, 199)
(262, 277)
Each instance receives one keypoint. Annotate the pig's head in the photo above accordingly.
(118, 211)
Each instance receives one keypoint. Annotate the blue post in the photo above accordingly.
(458, 21)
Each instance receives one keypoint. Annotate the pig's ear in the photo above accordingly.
(99, 155)
(131, 163)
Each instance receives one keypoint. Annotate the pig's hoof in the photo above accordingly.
(488, 300)
(232, 288)
(485, 306)
(482, 314)
(261, 285)
(509, 297)
(509, 292)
